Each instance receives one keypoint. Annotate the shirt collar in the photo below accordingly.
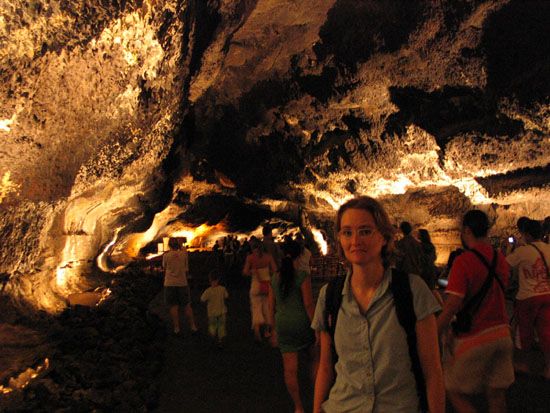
(382, 288)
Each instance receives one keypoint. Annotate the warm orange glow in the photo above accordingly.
(61, 276)
(320, 240)
(135, 40)
(224, 180)
(198, 237)
(68, 272)
(415, 164)
(102, 258)
(7, 186)
(151, 256)
(23, 379)
(5, 124)
(105, 294)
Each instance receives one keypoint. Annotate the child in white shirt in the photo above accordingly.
(215, 297)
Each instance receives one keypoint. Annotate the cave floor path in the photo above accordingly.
(242, 377)
(247, 377)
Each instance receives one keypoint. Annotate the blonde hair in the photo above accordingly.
(381, 219)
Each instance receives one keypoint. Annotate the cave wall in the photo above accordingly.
(92, 94)
(283, 109)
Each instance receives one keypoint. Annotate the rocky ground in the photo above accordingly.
(100, 358)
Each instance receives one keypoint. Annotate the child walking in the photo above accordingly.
(215, 297)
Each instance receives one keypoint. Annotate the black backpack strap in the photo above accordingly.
(490, 267)
(333, 301)
(404, 308)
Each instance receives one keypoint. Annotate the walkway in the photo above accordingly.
(245, 377)
(241, 377)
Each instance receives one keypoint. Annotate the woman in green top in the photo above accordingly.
(292, 307)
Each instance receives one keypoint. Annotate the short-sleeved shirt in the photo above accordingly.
(215, 300)
(467, 276)
(373, 371)
(533, 279)
(176, 266)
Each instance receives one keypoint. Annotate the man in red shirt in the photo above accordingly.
(479, 359)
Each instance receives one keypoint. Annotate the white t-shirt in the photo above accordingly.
(533, 279)
(176, 266)
(215, 298)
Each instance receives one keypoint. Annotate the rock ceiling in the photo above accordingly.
(122, 121)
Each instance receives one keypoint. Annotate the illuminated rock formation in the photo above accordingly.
(111, 110)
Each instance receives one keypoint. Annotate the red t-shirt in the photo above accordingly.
(466, 278)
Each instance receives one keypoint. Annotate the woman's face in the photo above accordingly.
(359, 237)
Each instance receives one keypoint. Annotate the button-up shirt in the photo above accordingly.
(373, 372)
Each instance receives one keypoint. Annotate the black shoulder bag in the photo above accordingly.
(464, 317)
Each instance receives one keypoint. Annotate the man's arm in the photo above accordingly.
(452, 305)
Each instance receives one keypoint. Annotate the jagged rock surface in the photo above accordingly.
(112, 109)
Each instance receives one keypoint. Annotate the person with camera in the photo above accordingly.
(480, 349)
(532, 305)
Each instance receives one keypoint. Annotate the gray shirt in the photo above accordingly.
(373, 372)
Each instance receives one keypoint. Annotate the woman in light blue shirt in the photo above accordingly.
(373, 371)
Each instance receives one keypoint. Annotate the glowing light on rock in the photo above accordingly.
(23, 379)
(25, 42)
(470, 188)
(196, 236)
(7, 186)
(385, 186)
(61, 277)
(151, 256)
(128, 100)
(102, 258)
(6, 123)
(320, 240)
(135, 242)
(105, 294)
(414, 164)
(136, 41)
(291, 120)
(68, 277)
(184, 233)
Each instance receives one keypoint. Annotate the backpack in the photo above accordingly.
(404, 308)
